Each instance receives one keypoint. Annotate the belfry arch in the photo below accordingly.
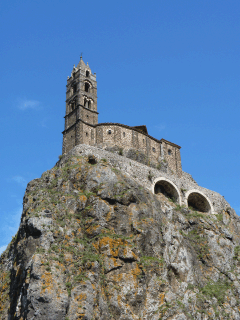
(198, 201)
(168, 188)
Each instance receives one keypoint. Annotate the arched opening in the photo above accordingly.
(198, 202)
(89, 104)
(85, 102)
(87, 87)
(167, 189)
(87, 73)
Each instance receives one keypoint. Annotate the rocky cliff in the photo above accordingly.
(95, 244)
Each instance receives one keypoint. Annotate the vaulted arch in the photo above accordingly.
(198, 201)
(166, 187)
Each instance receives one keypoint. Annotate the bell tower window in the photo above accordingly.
(87, 87)
(74, 88)
(87, 73)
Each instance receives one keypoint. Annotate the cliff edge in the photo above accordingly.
(94, 243)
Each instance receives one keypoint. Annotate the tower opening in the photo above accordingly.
(87, 87)
(74, 88)
(85, 102)
(89, 104)
(87, 73)
(198, 202)
(167, 189)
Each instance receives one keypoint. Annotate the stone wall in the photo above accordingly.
(148, 177)
(129, 138)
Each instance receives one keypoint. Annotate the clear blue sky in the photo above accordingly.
(171, 65)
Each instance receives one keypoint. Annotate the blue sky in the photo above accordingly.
(171, 65)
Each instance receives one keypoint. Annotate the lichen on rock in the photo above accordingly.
(95, 244)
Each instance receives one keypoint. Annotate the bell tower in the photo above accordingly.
(81, 107)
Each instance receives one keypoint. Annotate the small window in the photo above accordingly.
(87, 73)
(89, 104)
(86, 134)
(124, 134)
(87, 115)
(169, 151)
(87, 86)
(74, 88)
(143, 140)
(153, 149)
(109, 131)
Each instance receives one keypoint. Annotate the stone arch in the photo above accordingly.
(199, 201)
(167, 187)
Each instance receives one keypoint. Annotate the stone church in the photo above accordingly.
(82, 127)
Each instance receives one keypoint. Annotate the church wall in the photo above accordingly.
(88, 132)
(87, 116)
(69, 140)
(71, 118)
(172, 156)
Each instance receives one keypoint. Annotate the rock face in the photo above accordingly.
(95, 244)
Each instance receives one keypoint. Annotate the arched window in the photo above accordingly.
(85, 102)
(87, 73)
(89, 104)
(87, 87)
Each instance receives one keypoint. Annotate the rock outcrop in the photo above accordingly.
(95, 244)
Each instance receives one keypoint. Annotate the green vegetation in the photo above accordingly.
(236, 253)
(216, 289)
(219, 216)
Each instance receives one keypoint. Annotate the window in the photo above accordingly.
(153, 149)
(169, 151)
(87, 115)
(87, 86)
(86, 134)
(124, 134)
(85, 102)
(143, 140)
(89, 104)
(74, 88)
(109, 131)
(87, 73)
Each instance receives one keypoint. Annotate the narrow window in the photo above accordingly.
(109, 131)
(87, 86)
(74, 88)
(124, 134)
(153, 149)
(86, 134)
(85, 102)
(143, 140)
(169, 151)
(89, 104)
(87, 73)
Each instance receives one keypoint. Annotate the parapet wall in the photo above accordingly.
(149, 177)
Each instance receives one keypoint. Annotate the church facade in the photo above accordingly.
(82, 127)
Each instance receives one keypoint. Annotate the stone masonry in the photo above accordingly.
(154, 163)
(182, 189)
(82, 127)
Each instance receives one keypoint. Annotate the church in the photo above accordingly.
(82, 127)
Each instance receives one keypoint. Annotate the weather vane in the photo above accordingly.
(81, 55)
